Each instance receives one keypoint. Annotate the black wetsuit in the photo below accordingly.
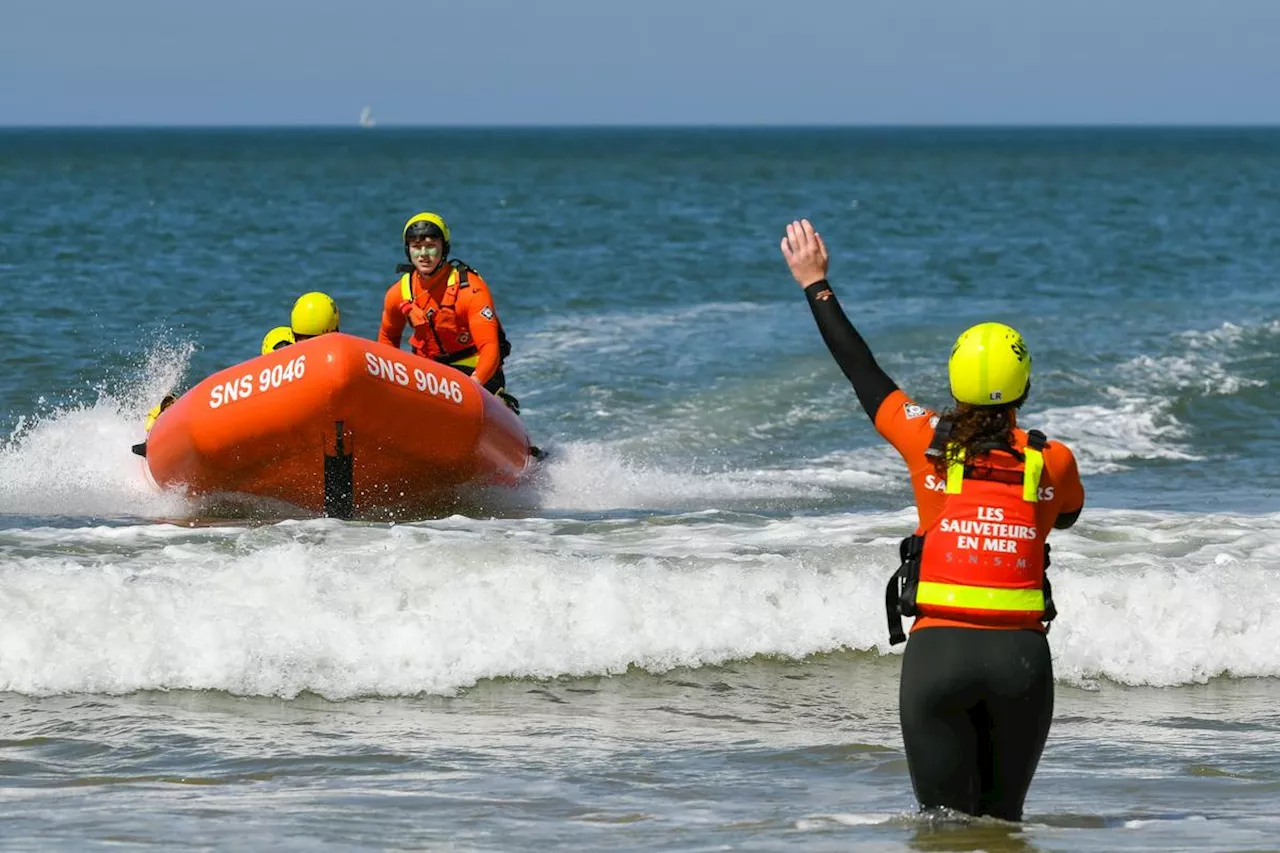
(975, 704)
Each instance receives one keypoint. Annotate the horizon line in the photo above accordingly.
(355, 127)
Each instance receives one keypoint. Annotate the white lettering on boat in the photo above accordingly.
(386, 368)
(282, 374)
(391, 370)
(231, 391)
(432, 384)
(234, 390)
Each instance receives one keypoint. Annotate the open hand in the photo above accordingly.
(805, 252)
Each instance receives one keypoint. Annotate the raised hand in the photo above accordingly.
(805, 252)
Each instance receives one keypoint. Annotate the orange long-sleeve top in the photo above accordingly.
(448, 319)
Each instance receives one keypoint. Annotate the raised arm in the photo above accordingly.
(806, 255)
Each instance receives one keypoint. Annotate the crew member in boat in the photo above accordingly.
(448, 307)
(313, 314)
(280, 336)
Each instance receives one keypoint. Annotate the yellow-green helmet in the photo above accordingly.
(990, 366)
(280, 336)
(314, 314)
(427, 224)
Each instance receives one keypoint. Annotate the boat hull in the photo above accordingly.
(341, 426)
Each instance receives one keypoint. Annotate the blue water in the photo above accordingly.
(671, 639)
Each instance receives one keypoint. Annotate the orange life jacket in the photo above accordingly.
(440, 337)
(983, 560)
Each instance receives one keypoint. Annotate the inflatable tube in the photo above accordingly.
(341, 426)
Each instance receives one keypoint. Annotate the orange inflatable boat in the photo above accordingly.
(340, 426)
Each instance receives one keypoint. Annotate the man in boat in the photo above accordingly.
(448, 306)
(313, 314)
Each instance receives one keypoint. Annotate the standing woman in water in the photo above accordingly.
(976, 692)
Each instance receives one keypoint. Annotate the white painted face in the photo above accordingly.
(424, 254)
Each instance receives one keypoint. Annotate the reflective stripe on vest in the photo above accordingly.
(1034, 462)
(980, 597)
(406, 293)
(406, 284)
(1033, 467)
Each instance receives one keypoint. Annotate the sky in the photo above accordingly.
(616, 62)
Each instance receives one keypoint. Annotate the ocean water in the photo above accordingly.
(672, 638)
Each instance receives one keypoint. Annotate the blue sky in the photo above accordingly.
(499, 62)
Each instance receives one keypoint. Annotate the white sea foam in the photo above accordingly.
(345, 610)
(689, 575)
(1207, 362)
(1105, 439)
(1138, 421)
(595, 476)
(77, 460)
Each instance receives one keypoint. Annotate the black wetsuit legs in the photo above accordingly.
(975, 707)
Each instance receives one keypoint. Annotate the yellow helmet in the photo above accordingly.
(280, 336)
(313, 314)
(427, 225)
(990, 366)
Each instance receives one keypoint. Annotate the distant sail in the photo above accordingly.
(366, 117)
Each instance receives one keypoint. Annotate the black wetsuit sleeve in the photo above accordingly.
(1066, 519)
(870, 383)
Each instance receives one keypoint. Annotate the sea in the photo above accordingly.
(671, 637)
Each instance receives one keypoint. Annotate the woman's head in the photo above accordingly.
(990, 371)
(990, 366)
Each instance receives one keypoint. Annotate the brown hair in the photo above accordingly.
(975, 430)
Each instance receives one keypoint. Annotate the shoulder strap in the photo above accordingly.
(999, 445)
(1034, 465)
(941, 435)
(406, 277)
(1033, 461)
(463, 269)
(1036, 440)
(455, 278)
